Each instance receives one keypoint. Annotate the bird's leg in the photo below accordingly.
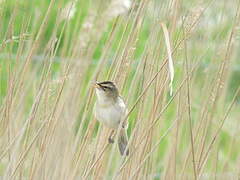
(111, 137)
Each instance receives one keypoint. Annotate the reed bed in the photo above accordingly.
(174, 62)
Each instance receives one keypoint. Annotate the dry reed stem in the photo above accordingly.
(189, 106)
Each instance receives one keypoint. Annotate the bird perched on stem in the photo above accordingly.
(111, 110)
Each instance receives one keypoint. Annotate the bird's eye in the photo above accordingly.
(106, 88)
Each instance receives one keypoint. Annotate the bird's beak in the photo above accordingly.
(96, 85)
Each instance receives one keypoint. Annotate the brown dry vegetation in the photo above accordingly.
(50, 57)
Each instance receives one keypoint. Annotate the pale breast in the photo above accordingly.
(110, 115)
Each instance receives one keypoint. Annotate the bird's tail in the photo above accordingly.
(122, 142)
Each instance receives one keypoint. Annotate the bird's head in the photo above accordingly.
(106, 90)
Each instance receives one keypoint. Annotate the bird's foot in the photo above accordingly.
(110, 140)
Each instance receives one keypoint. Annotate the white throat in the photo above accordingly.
(102, 99)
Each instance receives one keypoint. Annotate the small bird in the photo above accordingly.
(111, 110)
